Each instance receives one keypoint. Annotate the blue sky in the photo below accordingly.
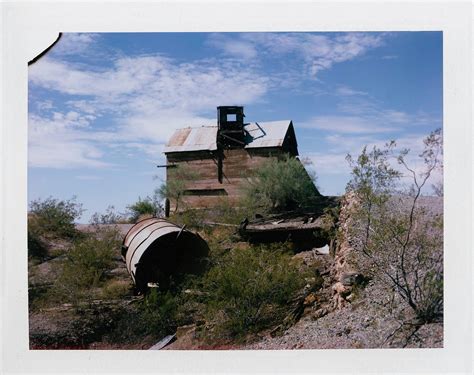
(101, 106)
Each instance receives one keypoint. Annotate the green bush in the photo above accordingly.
(109, 217)
(249, 289)
(116, 289)
(86, 264)
(54, 218)
(147, 206)
(228, 212)
(176, 184)
(396, 238)
(159, 309)
(155, 316)
(279, 185)
(191, 218)
(37, 248)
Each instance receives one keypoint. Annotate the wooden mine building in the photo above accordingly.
(223, 156)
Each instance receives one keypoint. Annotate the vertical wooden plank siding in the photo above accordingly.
(237, 166)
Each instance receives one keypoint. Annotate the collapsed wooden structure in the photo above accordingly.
(303, 227)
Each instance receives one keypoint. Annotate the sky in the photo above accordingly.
(102, 106)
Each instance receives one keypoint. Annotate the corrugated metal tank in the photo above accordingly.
(158, 251)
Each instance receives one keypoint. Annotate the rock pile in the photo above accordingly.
(343, 272)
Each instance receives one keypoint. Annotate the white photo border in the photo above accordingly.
(25, 22)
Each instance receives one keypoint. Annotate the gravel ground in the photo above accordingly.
(363, 324)
(371, 320)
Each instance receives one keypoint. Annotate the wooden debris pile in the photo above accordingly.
(295, 226)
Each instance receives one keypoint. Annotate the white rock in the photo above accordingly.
(322, 250)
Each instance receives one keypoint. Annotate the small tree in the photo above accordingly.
(250, 289)
(86, 264)
(54, 218)
(147, 206)
(395, 235)
(436, 141)
(109, 217)
(279, 185)
(176, 184)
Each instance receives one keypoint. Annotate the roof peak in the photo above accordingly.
(246, 124)
(261, 135)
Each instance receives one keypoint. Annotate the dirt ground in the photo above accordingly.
(372, 319)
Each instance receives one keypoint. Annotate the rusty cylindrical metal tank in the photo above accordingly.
(158, 251)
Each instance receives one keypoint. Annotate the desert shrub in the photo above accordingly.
(279, 185)
(219, 239)
(54, 218)
(159, 309)
(176, 184)
(397, 239)
(153, 317)
(37, 248)
(229, 212)
(148, 206)
(37, 296)
(116, 289)
(86, 264)
(191, 218)
(110, 216)
(248, 290)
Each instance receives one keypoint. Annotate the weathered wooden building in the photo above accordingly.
(221, 157)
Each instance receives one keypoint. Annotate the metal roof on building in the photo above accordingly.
(193, 139)
(262, 134)
(267, 134)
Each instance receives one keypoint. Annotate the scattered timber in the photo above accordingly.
(295, 226)
(214, 224)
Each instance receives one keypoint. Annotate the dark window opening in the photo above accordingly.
(205, 192)
(219, 168)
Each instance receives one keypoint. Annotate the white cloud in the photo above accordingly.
(348, 91)
(44, 105)
(329, 163)
(155, 78)
(342, 48)
(59, 76)
(320, 52)
(358, 113)
(334, 163)
(84, 106)
(398, 117)
(74, 43)
(148, 97)
(60, 141)
(233, 47)
(346, 125)
(370, 119)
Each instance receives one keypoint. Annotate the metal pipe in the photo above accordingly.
(157, 251)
